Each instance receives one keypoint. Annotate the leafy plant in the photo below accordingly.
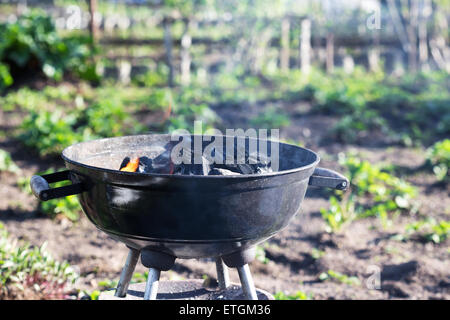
(271, 118)
(340, 212)
(383, 188)
(299, 295)
(33, 43)
(438, 157)
(339, 277)
(5, 77)
(317, 254)
(429, 229)
(6, 162)
(106, 118)
(184, 116)
(27, 268)
(49, 132)
(153, 78)
(374, 192)
(261, 254)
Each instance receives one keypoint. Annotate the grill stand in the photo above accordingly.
(223, 277)
(157, 261)
(127, 273)
(151, 288)
(240, 260)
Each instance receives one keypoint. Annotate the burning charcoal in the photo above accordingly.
(193, 169)
(131, 166)
(262, 165)
(163, 163)
(246, 168)
(124, 163)
(237, 168)
(222, 172)
(145, 165)
(262, 170)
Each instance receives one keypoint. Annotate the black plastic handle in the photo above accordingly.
(329, 179)
(42, 190)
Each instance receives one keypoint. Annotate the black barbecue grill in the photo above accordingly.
(162, 216)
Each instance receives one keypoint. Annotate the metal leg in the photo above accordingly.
(151, 289)
(222, 274)
(248, 287)
(127, 273)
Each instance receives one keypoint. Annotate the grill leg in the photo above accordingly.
(127, 273)
(248, 287)
(151, 289)
(222, 274)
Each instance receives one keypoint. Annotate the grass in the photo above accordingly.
(429, 230)
(339, 277)
(299, 295)
(373, 192)
(438, 158)
(31, 270)
(6, 162)
(272, 118)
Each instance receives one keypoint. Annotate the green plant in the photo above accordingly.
(106, 118)
(339, 277)
(373, 192)
(382, 188)
(49, 132)
(31, 269)
(153, 78)
(67, 207)
(429, 229)
(438, 157)
(317, 254)
(183, 117)
(299, 295)
(339, 213)
(33, 43)
(6, 162)
(350, 127)
(271, 118)
(5, 77)
(261, 254)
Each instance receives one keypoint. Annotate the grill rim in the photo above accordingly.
(121, 174)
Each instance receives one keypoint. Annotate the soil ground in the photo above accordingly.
(409, 270)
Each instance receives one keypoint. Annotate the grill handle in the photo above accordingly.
(329, 179)
(42, 190)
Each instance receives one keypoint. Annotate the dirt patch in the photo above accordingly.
(295, 258)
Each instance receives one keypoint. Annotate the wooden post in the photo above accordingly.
(186, 60)
(168, 46)
(412, 35)
(330, 52)
(305, 46)
(93, 22)
(284, 57)
(373, 55)
(423, 36)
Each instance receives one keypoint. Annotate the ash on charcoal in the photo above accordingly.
(145, 164)
(163, 164)
(222, 172)
(193, 169)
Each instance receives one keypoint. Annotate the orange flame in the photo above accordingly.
(131, 166)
